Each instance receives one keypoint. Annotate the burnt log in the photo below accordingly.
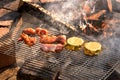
(102, 4)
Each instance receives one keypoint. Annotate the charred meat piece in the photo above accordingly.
(30, 41)
(48, 39)
(61, 39)
(51, 47)
(41, 31)
(29, 31)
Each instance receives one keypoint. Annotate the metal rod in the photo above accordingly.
(53, 16)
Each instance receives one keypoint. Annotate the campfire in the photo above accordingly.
(67, 39)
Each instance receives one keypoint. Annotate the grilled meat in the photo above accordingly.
(48, 39)
(59, 47)
(53, 39)
(48, 43)
(51, 47)
(29, 31)
(30, 41)
(41, 31)
(61, 39)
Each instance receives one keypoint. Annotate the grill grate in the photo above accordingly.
(72, 65)
(93, 69)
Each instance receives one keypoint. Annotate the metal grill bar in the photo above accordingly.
(94, 69)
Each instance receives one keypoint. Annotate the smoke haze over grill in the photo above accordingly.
(69, 10)
(72, 10)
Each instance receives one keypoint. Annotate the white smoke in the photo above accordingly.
(70, 10)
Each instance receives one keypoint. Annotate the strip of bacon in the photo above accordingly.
(48, 39)
(51, 47)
